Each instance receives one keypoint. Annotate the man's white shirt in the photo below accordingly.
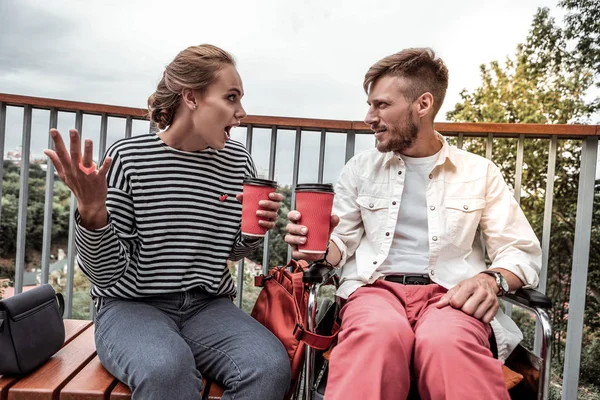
(464, 194)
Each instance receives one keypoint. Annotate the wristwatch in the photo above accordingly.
(500, 281)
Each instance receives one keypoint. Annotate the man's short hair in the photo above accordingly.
(424, 71)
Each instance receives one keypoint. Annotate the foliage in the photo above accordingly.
(582, 26)
(35, 213)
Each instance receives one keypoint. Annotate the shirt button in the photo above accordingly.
(387, 234)
(371, 205)
(432, 208)
(430, 176)
(466, 207)
(374, 262)
(399, 172)
(432, 273)
(393, 203)
(434, 238)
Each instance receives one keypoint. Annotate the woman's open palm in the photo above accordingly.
(87, 182)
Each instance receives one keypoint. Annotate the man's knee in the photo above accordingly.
(380, 331)
(450, 340)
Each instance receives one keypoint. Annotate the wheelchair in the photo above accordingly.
(320, 318)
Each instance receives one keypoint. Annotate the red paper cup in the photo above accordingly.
(255, 190)
(315, 202)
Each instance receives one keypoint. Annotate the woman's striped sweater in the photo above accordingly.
(170, 228)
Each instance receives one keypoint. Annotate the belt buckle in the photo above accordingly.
(415, 280)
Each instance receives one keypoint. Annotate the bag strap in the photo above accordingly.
(298, 292)
(319, 342)
(61, 304)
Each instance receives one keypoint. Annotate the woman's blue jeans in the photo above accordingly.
(162, 346)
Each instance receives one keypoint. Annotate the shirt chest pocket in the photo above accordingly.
(462, 219)
(374, 212)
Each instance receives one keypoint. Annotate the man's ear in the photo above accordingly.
(189, 98)
(425, 104)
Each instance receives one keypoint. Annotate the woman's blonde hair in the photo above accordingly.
(193, 68)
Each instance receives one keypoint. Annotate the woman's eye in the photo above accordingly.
(231, 97)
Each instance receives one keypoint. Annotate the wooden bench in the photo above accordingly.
(73, 373)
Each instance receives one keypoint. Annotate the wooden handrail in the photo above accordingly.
(468, 128)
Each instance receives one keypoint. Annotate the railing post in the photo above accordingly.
(48, 200)
(103, 135)
(2, 136)
(350, 145)
(71, 244)
(489, 144)
(297, 146)
(272, 155)
(519, 168)
(581, 255)
(241, 264)
(23, 198)
(129, 127)
(546, 231)
(322, 155)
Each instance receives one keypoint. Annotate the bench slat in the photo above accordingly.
(73, 328)
(120, 392)
(92, 383)
(216, 391)
(44, 383)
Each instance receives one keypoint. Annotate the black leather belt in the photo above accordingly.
(409, 279)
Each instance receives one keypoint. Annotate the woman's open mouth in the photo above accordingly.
(227, 132)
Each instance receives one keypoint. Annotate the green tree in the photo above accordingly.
(582, 26)
(543, 84)
(35, 214)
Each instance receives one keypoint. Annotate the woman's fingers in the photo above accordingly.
(56, 162)
(60, 149)
(75, 149)
(103, 170)
(88, 150)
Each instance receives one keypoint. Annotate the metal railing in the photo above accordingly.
(284, 133)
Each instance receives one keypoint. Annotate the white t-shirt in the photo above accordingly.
(409, 252)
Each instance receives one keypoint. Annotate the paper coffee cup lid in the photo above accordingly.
(248, 180)
(314, 187)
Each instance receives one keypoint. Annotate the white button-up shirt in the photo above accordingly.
(466, 194)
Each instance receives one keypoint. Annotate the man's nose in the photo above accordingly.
(371, 117)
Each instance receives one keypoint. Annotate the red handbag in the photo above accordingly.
(281, 307)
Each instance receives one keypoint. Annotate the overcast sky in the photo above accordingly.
(302, 58)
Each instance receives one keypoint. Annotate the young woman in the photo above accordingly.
(154, 232)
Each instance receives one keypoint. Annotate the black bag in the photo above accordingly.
(31, 329)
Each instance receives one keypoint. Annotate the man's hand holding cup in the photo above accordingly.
(312, 223)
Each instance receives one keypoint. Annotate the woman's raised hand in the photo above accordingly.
(80, 174)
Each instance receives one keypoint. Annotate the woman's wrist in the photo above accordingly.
(93, 217)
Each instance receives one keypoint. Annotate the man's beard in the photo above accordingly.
(402, 136)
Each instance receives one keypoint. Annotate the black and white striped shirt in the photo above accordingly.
(170, 228)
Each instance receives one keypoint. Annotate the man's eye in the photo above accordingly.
(381, 105)
(231, 97)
